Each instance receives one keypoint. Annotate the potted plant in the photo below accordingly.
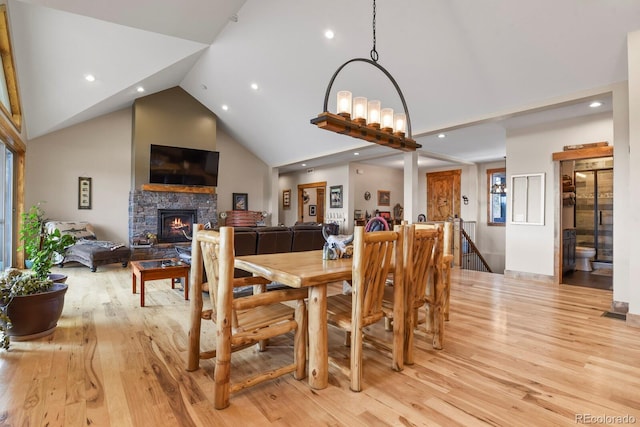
(29, 306)
(40, 246)
(31, 302)
(30, 232)
(52, 244)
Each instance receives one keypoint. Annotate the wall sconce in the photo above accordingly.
(465, 200)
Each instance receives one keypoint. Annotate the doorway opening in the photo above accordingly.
(586, 219)
(311, 202)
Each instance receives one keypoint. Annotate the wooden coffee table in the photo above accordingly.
(155, 269)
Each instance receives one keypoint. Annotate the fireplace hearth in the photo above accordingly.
(176, 225)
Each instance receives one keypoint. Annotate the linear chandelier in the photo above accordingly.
(364, 119)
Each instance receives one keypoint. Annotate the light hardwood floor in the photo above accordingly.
(515, 354)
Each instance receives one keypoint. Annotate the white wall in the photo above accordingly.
(530, 248)
(241, 172)
(332, 175)
(630, 225)
(372, 179)
(100, 149)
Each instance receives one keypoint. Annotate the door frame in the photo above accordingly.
(321, 189)
(558, 158)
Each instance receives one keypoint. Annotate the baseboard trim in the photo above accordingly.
(633, 320)
(521, 275)
(620, 307)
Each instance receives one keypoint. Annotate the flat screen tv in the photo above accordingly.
(183, 166)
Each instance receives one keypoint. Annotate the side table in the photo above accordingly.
(155, 269)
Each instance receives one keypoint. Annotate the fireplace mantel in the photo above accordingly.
(178, 188)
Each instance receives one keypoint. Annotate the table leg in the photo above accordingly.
(398, 324)
(141, 291)
(186, 286)
(318, 346)
(133, 281)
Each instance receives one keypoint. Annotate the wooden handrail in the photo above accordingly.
(474, 250)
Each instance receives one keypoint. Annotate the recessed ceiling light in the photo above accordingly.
(356, 154)
(329, 34)
(225, 107)
(140, 89)
(90, 78)
(442, 135)
(595, 104)
(304, 164)
(254, 86)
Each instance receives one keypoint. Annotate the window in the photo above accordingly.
(497, 196)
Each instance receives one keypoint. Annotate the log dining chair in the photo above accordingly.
(422, 285)
(243, 321)
(447, 260)
(375, 255)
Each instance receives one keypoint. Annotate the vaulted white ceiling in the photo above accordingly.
(456, 61)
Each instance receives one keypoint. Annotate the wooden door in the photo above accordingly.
(443, 195)
(320, 210)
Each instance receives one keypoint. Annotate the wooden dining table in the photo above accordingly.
(305, 270)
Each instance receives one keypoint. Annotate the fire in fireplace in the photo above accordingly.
(175, 225)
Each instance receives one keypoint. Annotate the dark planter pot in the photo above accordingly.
(35, 316)
(58, 277)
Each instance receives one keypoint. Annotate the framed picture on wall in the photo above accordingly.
(84, 193)
(240, 201)
(286, 199)
(335, 196)
(384, 198)
(312, 210)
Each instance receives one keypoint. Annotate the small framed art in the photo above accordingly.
(335, 194)
(240, 201)
(84, 193)
(384, 198)
(286, 199)
(312, 210)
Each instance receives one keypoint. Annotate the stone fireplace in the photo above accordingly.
(167, 214)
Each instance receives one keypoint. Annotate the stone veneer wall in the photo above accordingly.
(143, 217)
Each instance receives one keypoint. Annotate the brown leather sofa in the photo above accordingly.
(307, 237)
(273, 240)
(245, 240)
(269, 240)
